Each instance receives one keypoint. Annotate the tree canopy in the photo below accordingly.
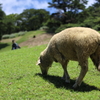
(32, 19)
(69, 13)
(2, 15)
(68, 5)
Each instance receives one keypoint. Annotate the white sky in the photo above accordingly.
(17, 6)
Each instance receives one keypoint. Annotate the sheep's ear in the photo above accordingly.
(38, 62)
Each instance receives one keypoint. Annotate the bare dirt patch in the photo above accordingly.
(38, 40)
(10, 40)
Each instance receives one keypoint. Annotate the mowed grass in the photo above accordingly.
(21, 79)
(5, 46)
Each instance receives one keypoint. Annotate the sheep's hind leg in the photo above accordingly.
(84, 69)
(66, 76)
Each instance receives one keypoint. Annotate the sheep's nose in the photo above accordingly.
(44, 73)
(98, 68)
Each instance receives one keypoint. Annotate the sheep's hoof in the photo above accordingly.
(66, 80)
(62, 78)
(75, 86)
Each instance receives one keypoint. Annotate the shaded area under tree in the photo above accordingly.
(3, 45)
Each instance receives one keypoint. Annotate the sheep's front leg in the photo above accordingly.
(66, 76)
(84, 69)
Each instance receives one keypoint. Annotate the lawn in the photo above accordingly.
(21, 79)
(5, 46)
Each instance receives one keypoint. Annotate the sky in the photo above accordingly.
(17, 6)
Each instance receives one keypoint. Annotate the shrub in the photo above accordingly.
(52, 25)
(21, 33)
(12, 35)
(88, 23)
(44, 28)
(62, 27)
(5, 36)
(97, 27)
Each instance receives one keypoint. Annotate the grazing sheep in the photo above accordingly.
(78, 44)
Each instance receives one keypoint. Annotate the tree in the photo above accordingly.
(69, 9)
(2, 15)
(10, 23)
(97, 3)
(32, 19)
(68, 5)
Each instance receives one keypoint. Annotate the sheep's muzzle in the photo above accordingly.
(99, 68)
(44, 73)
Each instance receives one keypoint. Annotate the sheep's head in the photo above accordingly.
(43, 67)
(44, 62)
(96, 58)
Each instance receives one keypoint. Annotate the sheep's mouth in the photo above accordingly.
(98, 68)
(44, 73)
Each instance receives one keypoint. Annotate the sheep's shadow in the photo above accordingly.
(59, 83)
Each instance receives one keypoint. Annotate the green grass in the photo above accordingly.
(21, 79)
(29, 35)
(7, 46)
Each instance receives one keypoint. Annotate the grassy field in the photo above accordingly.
(21, 79)
(7, 45)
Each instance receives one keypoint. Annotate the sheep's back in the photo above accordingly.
(75, 41)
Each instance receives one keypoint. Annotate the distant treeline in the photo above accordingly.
(70, 13)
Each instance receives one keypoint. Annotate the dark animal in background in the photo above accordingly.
(34, 36)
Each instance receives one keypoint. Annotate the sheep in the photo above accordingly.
(77, 44)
